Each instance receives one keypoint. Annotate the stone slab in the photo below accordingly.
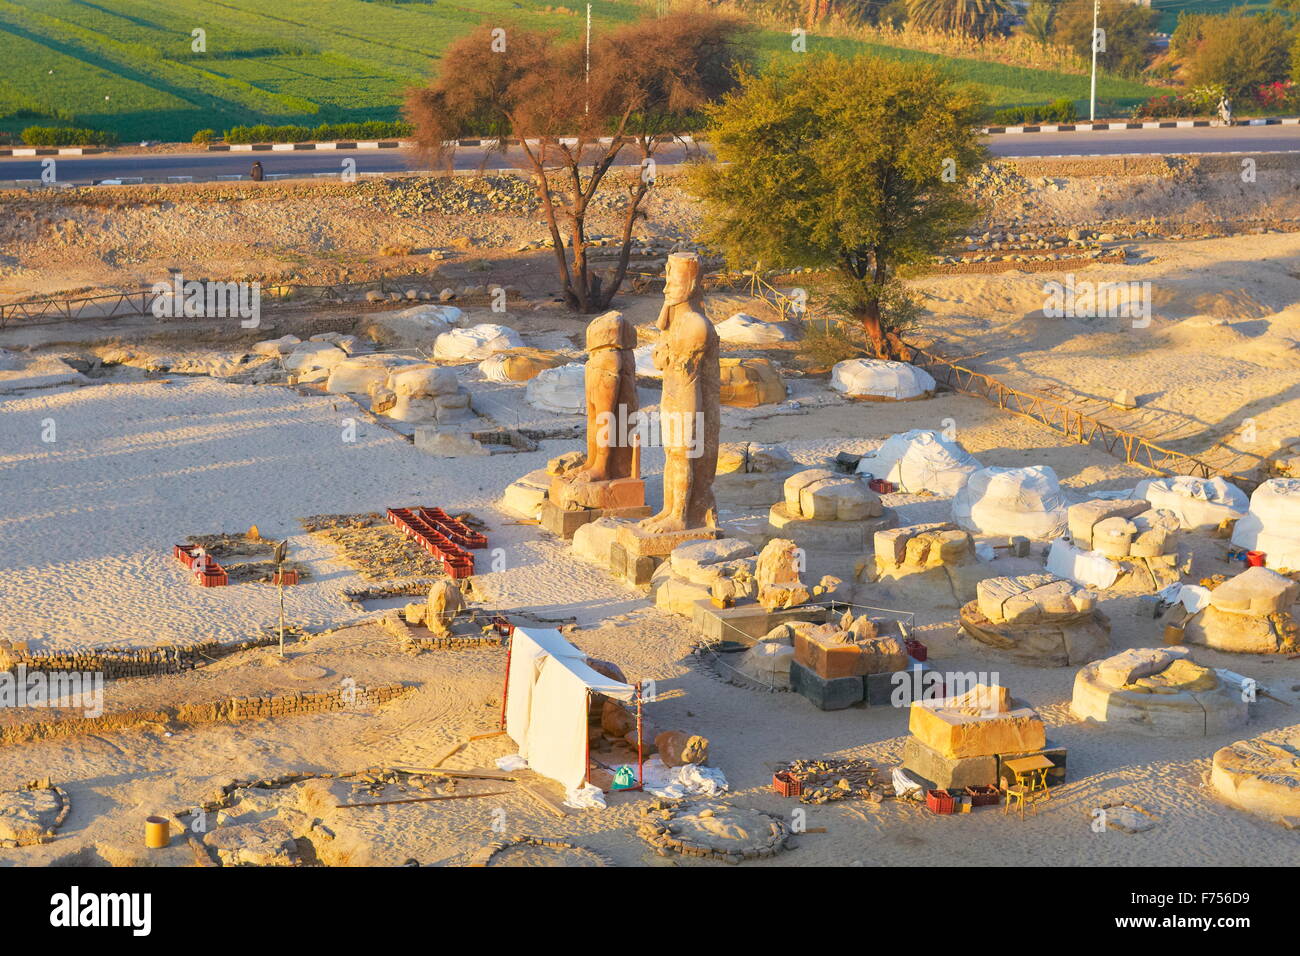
(613, 494)
(565, 522)
(855, 537)
(956, 733)
(834, 694)
(750, 620)
(940, 772)
(910, 685)
(641, 543)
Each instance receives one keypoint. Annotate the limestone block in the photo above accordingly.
(827, 536)
(310, 356)
(1261, 776)
(474, 344)
(1113, 536)
(525, 495)
(1157, 691)
(767, 662)
(777, 575)
(1256, 591)
(1085, 516)
(959, 733)
(1031, 598)
(748, 383)
(831, 653)
(942, 772)
(277, 347)
(593, 540)
(823, 495)
(448, 444)
(1243, 633)
(689, 560)
(1127, 666)
(744, 329)
(1046, 643)
(732, 457)
(361, 374)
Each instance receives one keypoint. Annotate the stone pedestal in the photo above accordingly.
(941, 772)
(638, 542)
(572, 504)
(750, 620)
(564, 522)
(813, 534)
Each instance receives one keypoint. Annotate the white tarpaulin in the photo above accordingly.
(1198, 502)
(1012, 501)
(1089, 568)
(1273, 524)
(875, 378)
(546, 703)
(920, 460)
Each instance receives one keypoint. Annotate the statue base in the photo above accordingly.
(571, 504)
(636, 553)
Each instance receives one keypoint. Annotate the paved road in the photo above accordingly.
(204, 165)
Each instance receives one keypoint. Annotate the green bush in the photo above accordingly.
(203, 137)
(1057, 111)
(66, 136)
(263, 133)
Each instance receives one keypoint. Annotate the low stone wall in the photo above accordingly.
(128, 662)
(218, 711)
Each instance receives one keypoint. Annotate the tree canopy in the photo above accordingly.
(856, 165)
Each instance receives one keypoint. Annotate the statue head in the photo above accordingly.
(681, 280)
(610, 330)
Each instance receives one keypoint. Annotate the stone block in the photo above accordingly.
(972, 732)
(1256, 591)
(835, 694)
(919, 681)
(855, 537)
(749, 620)
(1084, 517)
(830, 657)
(942, 772)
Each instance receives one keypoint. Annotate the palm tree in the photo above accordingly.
(1038, 21)
(976, 18)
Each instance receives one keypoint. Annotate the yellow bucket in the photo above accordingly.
(157, 832)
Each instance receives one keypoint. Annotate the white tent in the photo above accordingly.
(1012, 501)
(1198, 502)
(1273, 524)
(920, 460)
(874, 378)
(548, 682)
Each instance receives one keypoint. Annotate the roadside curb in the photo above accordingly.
(1153, 124)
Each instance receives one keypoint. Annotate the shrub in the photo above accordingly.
(203, 137)
(1057, 111)
(66, 136)
(1168, 106)
(263, 133)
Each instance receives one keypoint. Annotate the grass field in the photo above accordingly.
(127, 65)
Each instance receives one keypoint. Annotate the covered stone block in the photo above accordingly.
(1084, 517)
(1272, 524)
(971, 731)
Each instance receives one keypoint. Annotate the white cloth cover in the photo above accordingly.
(863, 378)
(546, 703)
(562, 389)
(1012, 501)
(1089, 568)
(1198, 502)
(475, 343)
(1273, 524)
(437, 318)
(920, 460)
(744, 329)
(688, 780)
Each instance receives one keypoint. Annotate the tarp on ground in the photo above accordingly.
(546, 702)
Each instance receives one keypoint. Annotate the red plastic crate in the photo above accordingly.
(880, 486)
(502, 626)
(916, 649)
(982, 796)
(287, 578)
(214, 576)
(940, 801)
(786, 784)
(184, 553)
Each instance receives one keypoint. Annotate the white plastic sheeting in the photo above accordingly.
(745, 329)
(1089, 568)
(1198, 502)
(644, 356)
(874, 378)
(688, 780)
(475, 343)
(546, 703)
(920, 460)
(1272, 524)
(562, 389)
(1012, 501)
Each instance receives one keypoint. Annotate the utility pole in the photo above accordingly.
(1092, 98)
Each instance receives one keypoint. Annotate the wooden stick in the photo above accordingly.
(544, 800)
(495, 733)
(454, 796)
(464, 774)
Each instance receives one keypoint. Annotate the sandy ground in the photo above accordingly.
(138, 462)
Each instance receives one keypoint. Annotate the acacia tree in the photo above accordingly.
(855, 165)
(648, 79)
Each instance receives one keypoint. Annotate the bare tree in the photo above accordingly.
(647, 81)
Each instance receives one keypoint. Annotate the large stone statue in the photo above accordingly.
(687, 353)
(611, 399)
(607, 482)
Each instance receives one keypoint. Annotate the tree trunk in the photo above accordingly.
(870, 317)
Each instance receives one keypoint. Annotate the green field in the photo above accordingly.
(127, 65)
(1169, 9)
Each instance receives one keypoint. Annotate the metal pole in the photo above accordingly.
(279, 574)
(586, 107)
(1092, 98)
